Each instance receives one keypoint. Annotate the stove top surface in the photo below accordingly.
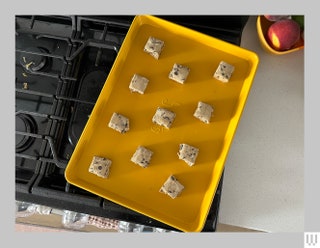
(62, 63)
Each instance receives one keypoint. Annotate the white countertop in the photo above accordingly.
(263, 184)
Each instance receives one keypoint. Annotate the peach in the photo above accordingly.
(283, 35)
(274, 18)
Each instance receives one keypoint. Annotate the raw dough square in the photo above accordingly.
(172, 187)
(119, 123)
(188, 153)
(224, 72)
(164, 117)
(203, 112)
(100, 166)
(138, 84)
(154, 47)
(179, 73)
(142, 156)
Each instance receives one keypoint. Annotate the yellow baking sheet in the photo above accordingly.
(135, 187)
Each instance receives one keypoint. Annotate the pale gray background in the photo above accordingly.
(11, 8)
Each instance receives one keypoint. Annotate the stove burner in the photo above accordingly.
(24, 123)
(32, 61)
(92, 83)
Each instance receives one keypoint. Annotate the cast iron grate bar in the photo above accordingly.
(53, 96)
(53, 117)
(61, 163)
(84, 44)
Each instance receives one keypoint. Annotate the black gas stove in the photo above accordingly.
(62, 63)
